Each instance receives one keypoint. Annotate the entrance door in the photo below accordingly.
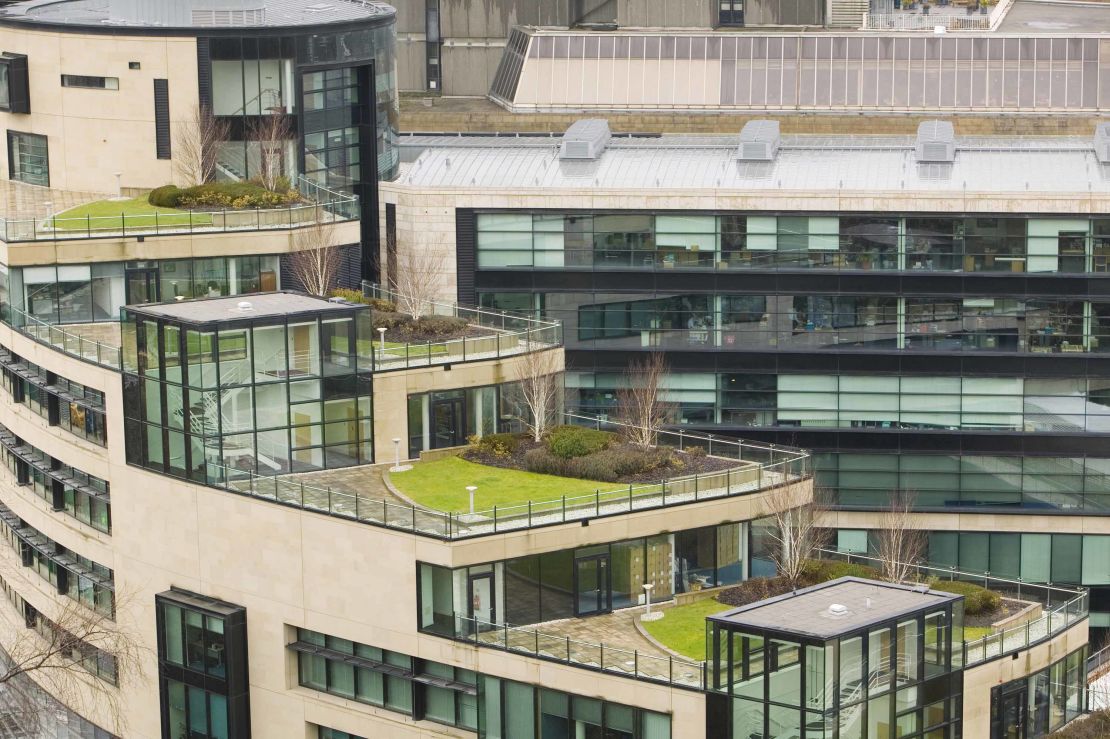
(482, 608)
(448, 422)
(142, 285)
(1012, 715)
(591, 585)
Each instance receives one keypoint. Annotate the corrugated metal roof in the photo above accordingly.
(982, 164)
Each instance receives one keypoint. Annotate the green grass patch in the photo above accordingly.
(975, 633)
(441, 484)
(105, 215)
(682, 629)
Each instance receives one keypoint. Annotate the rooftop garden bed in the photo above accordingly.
(441, 484)
(214, 196)
(682, 628)
(402, 329)
(584, 453)
(136, 212)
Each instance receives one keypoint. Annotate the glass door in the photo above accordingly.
(482, 608)
(591, 585)
(448, 421)
(1012, 715)
(142, 285)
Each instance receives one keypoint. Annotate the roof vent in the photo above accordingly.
(585, 139)
(936, 142)
(759, 141)
(245, 306)
(1102, 142)
(838, 610)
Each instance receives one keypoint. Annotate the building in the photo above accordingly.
(925, 314)
(103, 97)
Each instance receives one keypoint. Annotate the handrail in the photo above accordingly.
(509, 335)
(1073, 607)
(57, 337)
(762, 467)
(326, 206)
(670, 670)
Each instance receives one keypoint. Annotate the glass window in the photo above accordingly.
(28, 160)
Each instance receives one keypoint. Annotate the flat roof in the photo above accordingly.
(983, 164)
(806, 612)
(1035, 16)
(195, 14)
(262, 305)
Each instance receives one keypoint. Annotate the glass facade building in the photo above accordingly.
(852, 659)
(958, 355)
(216, 389)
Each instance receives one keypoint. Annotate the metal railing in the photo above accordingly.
(631, 663)
(325, 206)
(760, 466)
(508, 335)
(59, 338)
(1098, 664)
(1062, 607)
(973, 20)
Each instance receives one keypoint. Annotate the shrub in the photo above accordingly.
(351, 296)
(1095, 726)
(577, 441)
(499, 445)
(543, 462)
(166, 196)
(390, 321)
(978, 601)
(379, 304)
(695, 451)
(234, 195)
(434, 326)
(823, 570)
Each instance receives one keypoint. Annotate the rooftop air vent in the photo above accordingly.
(936, 142)
(759, 141)
(837, 610)
(1102, 142)
(585, 139)
(245, 306)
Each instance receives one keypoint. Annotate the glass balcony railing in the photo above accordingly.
(1055, 608)
(759, 467)
(67, 338)
(322, 206)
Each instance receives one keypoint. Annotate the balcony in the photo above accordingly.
(363, 493)
(41, 215)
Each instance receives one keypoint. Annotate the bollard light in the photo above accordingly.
(382, 332)
(471, 489)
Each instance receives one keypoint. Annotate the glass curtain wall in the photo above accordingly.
(545, 587)
(84, 293)
(631, 240)
(250, 396)
(1069, 405)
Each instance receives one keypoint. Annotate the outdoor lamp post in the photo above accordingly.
(648, 615)
(471, 489)
(119, 185)
(396, 453)
(382, 331)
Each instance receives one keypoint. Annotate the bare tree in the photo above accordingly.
(59, 661)
(272, 132)
(316, 262)
(640, 404)
(416, 283)
(198, 146)
(796, 531)
(539, 374)
(900, 546)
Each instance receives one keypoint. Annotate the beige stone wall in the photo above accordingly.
(294, 568)
(995, 522)
(179, 246)
(92, 134)
(979, 680)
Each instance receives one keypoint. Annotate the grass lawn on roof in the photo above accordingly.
(104, 215)
(441, 484)
(682, 628)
